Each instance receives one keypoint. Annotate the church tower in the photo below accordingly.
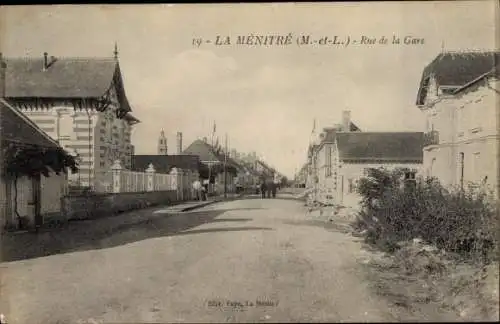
(162, 144)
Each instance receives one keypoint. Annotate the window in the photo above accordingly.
(328, 161)
(410, 175)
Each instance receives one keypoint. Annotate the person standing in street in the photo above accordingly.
(263, 189)
(197, 189)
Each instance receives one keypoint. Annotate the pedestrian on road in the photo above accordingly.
(263, 189)
(203, 192)
(273, 189)
(197, 189)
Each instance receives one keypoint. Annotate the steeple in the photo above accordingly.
(314, 134)
(115, 53)
(162, 144)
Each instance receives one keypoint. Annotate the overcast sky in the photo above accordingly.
(264, 98)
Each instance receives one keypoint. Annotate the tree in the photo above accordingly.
(284, 181)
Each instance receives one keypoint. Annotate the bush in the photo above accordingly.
(460, 221)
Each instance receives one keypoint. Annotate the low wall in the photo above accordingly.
(91, 206)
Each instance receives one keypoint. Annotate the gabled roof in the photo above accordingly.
(165, 163)
(18, 129)
(65, 78)
(381, 146)
(204, 150)
(494, 73)
(207, 153)
(458, 68)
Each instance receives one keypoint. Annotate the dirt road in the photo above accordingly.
(240, 261)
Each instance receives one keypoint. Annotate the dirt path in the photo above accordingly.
(241, 261)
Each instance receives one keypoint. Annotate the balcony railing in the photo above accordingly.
(431, 138)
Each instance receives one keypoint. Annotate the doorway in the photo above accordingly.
(35, 204)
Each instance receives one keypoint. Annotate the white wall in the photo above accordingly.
(53, 189)
(467, 124)
(355, 172)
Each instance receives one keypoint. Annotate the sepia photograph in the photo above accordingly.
(250, 162)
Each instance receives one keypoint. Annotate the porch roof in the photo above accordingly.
(18, 129)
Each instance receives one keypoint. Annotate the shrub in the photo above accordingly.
(460, 221)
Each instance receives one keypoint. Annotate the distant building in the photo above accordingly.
(165, 163)
(179, 143)
(458, 93)
(214, 160)
(162, 144)
(80, 103)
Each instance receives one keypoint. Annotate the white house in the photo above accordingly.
(79, 102)
(342, 156)
(459, 96)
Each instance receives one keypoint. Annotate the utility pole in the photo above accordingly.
(225, 166)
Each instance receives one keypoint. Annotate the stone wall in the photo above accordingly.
(92, 206)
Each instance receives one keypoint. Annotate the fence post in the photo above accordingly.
(151, 177)
(181, 183)
(116, 171)
(175, 180)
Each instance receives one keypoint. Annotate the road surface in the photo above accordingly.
(256, 260)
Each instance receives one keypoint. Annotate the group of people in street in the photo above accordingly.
(268, 189)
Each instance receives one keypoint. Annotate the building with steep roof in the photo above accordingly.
(341, 156)
(79, 102)
(458, 94)
(215, 160)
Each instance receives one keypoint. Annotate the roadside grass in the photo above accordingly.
(441, 248)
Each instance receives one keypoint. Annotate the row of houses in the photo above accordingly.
(210, 162)
(458, 94)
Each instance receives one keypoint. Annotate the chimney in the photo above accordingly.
(179, 143)
(346, 120)
(3, 67)
(45, 61)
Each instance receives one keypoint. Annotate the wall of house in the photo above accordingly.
(327, 173)
(99, 138)
(53, 188)
(351, 173)
(74, 131)
(467, 124)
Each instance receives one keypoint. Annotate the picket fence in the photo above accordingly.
(119, 179)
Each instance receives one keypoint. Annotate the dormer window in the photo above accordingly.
(423, 91)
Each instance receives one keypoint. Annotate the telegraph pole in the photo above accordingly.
(225, 166)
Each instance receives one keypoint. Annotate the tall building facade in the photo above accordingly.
(458, 94)
(80, 103)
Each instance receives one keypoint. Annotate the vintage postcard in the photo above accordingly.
(272, 162)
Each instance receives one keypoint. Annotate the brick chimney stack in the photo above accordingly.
(346, 120)
(179, 143)
(3, 67)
